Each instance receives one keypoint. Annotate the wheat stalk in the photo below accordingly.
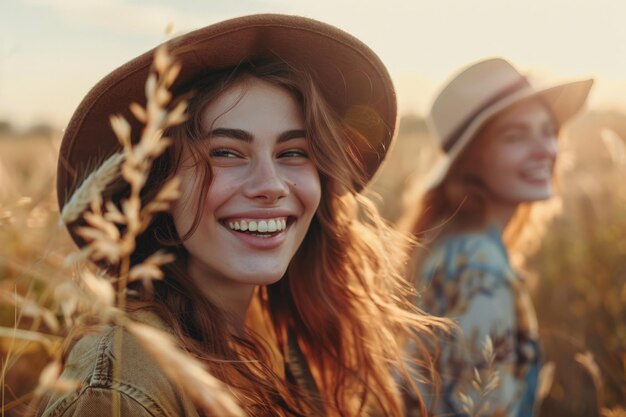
(613, 412)
(588, 362)
(45, 339)
(207, 392)
(482, 386)
(92, 186)
(50, 380)
(110, 231)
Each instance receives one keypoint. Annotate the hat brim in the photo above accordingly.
(564, 101)
(349, 74)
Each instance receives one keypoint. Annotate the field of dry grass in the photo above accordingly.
(32, 245)
(49, 291)
(580, 271)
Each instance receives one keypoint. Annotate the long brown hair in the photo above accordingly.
(343, 296)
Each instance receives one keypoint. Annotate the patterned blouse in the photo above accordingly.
(489, 365)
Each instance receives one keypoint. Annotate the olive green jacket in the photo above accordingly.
(144, 389)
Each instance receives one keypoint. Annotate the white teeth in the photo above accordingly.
(542, 174)
(261, 226)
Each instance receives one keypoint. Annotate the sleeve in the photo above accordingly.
(477, 363)
(98, 402)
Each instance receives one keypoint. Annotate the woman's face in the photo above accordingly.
(264, 192)
(515, 154)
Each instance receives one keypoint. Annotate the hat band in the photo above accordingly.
(502, 94)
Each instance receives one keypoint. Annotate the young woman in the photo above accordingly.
(284, 285)
(499, 134)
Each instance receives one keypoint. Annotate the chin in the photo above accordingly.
(546, 194)
(262, 278)
(538, 197)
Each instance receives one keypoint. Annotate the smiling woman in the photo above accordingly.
(264, 192)
(287, 283)
(500, 135)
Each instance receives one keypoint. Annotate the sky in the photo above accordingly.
(53, 51)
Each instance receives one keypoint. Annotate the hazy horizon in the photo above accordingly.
(53, 51)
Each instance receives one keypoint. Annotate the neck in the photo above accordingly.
(236, 306)
(232, 298)
(500, 213)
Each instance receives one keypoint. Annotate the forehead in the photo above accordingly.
(527, 115)
(527, 112)
(250, 100)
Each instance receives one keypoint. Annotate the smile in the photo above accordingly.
(258, 226)
(538, 174)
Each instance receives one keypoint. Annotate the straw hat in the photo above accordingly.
(481, 91)
(349, 74)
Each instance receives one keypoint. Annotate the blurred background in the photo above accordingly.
(53, 51)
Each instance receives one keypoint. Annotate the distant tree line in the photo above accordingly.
(37, 129)
(5, 127)
(412, 123)
(409, 124)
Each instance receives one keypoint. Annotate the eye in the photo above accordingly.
(551, 130)
(294, 153)
(223, 153)
(514, 136)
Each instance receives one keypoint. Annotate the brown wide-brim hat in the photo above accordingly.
(348, 73)
(480, 92)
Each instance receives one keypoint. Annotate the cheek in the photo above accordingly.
(308, 188)
(185, 205)
(499, 174)
(220, 189)
(502, 159)
(489, 169)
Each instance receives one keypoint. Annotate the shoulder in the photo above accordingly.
(480, 252)
(144, 389)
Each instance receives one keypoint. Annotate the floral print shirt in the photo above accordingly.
(489, 365)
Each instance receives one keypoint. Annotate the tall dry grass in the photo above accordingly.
(579, 290)
(48, 294)
(33, 249)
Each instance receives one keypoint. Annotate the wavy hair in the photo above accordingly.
(343, 298)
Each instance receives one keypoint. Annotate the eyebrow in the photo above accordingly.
(510, 126)
(245, 136)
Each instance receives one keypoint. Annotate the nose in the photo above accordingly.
(264, 182)
(547, 146)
